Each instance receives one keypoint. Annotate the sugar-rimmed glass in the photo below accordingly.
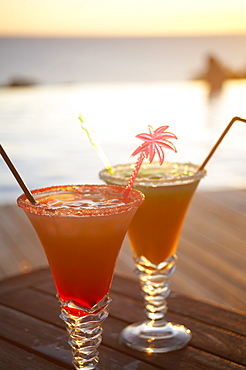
(81, 228)
(154, 235)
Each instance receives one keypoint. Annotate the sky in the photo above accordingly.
(121, 18)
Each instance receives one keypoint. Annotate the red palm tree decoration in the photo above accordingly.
(153, 143)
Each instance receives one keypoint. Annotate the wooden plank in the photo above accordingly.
(42, 281)
(206, 338)
(19, 237)
(185, 281)
(216, 216)
(12, 357)
(15, 283)
(207, 270)
(187, 358)
(9, 262)
(50, 342)
(225, 288)
(27, 332)
(213, 226)
(45, 341)
(131, 310)
(210, 314)
(14, 217)
(30, 302)
(231, 199)
(203, 275)
(211, 246)
(212, 254)
(233, 321)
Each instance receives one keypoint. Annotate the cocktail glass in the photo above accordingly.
(82, 228)
(154, 235)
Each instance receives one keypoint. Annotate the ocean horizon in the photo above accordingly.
(85, 60)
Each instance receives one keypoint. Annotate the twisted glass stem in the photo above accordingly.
(85, 332)
(155, 285)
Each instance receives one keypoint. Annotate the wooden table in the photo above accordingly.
(211, 253)
(32, 336)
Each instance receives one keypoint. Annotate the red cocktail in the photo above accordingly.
(81, 229)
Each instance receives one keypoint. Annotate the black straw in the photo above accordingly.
(219, 141)
(17, 176)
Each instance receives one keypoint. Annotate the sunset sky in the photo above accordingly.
(121, 17)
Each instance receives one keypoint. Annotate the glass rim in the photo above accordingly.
(117, 179)
(134, 200)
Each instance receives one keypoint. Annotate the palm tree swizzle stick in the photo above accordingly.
(153, 143)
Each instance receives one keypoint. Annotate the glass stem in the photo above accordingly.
(85, 332)
(155, 286)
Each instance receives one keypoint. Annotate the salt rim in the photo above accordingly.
(135, 200)
(118, 179)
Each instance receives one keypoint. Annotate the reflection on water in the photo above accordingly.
(41, 132)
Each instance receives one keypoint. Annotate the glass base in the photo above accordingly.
(154, 337)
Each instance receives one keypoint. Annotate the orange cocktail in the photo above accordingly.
(81, 229)
(155, 229)
(154, 235)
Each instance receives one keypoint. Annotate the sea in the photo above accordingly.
(119, 86)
